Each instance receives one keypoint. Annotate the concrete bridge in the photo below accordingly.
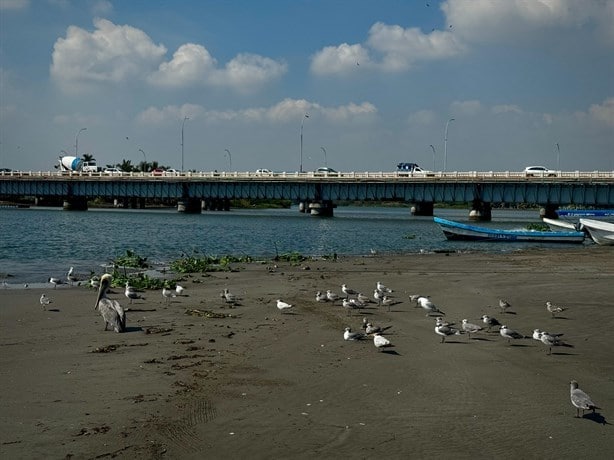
(317, 192)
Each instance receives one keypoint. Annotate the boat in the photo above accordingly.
(601, 232)
(459, 231)
(585, 212)
(557, 224)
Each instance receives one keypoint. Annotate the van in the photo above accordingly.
(413, 168)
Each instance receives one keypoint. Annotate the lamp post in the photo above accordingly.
(324, 150)
(77, 142)
(302, 121)
(144, 158)
(445, 145)
(433, 148)
(182, 125)
(229, 158)
(558, 157)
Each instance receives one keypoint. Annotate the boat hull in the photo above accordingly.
(600, 232)
(459, 231)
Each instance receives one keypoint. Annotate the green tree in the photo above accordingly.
(88, 157)
(126, 166)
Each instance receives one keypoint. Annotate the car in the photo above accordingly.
(326, 171)
(539, 171)
(111, 171)
(157, 172)
(263, 171)
(171, 172)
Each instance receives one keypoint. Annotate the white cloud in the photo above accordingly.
(102, 8)
(506, 108)
(111, 53)
(190, 64)
(422, 117)
(169, 113)
(249, 70)
(469, 108)
(339, 59)
(14, 4)
(603, 113)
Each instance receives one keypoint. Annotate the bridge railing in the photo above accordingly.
(354, 175)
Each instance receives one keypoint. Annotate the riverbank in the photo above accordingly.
(196, 377)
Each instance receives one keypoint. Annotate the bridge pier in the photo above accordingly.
(422, 208)
(549, 211)
(480, 210)
(323, 208)
(189, 206)
(215, 204)
(75, 203)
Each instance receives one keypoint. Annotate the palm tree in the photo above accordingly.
(126, 166)
(88, 157)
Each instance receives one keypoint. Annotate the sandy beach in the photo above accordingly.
(197, 378)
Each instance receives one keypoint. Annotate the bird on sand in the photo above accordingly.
(490, 321)
(580, 399)
(70, 276)
(349, 335)
(229, 297)
(110, 310)
(44, 301)
(131, 293)
(363, 298)
(347, 291)
(504, 305)
(553, 340)
(283, 306)
(445, 331)
(554, 309)
(330, 295)
(321, 296)
(509, 334)
(168, 294)
(382, 288)
(429, 306)
(179, 289)
(55, 282)
(381, 342)
(470, 328)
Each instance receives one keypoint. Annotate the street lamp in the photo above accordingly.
(445, 145)
(182, 125)
(324, 150)
(433, 156)
(302, 121)
(145, 159)
(229, 158)
(77, 142)
(558, 157)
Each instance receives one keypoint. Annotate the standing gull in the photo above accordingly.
(347, 291)
(44, 301)
(55, 282)
(509, 334)
(131, 293)
(470, 328)
(429, 306)
(330, 295)
(490, 321)
(179, 289)
(552, 340)
(111, 311)
(581, 400)
(445, 331)
(167, 294)
(283, 306)
(554, 309)
(70, 276)
(382, 288)
(504, 305)
(381, 342)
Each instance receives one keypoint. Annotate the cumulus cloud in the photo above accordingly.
(169, 113)
(111, 53)
(465, 108)
(339, 59)
(603, 113)
(190, 64)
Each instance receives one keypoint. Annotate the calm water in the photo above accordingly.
(39, 243)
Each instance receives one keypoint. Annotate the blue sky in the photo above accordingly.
(378, 79)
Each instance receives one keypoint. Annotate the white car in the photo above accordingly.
(112, 171)
(539, 171)
(171, 172)
(263, 171)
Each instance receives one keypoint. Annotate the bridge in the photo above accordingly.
(318, 192)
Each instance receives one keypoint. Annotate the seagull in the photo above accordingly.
(537, 334)
(283, 306)
(415, 297)
(509, 334)
(44, 300)
(70, 276)
(363, 298)
(553, 340)
(429, 306)
(131, 294)
(371, 329)
(553, 309)
(167, 294)
(445, 331)
(229, 297)
(504, 305)
(349, 335)
(95, 282)
(55, 282)
(490, 321)
(349, 305)
(439, 321)
(179, 290)
(111, 311)
(347, 291)
(330, 295)
(387, 302)
(321, 296)
(377, 295)
(381, 342)
(380, 287)
(581, 400)
(470, 328)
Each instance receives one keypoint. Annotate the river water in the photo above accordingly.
(37, 243)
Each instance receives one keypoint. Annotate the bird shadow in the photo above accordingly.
(560, 317)
(480, 339)
(54, 310)
(133, 329)
(519, 345)
(391, 352)
(509, 312)
(562, 353)
(458, 342)
(596, 417)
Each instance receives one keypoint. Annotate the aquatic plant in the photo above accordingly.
(131, 260)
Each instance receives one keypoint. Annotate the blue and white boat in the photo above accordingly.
(459, 231)
(585, 212)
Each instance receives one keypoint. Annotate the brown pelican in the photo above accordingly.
(111, 311)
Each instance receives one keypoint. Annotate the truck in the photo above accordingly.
(69, 163)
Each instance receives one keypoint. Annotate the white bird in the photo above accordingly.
(347, 291)
(388, 302)
(349, 335)
(445, 331)
(55, 282)
(537, 334)
(371, 329)
(429, 306)
(44, 301)
(580, 399)
(470, 328)
(95, 282)
(509, 334)
(179, 289)
(131, 293)
(554, 309)
(349, 305)
(504, 305)
(439, 321)
(490, 321)
(283, 306)
(553, 340)
(321, 296)
(382, 288)
(378, 296)
(415, 297)
(111, 311)
(363, 298)
(330, 295)
(71, 277)
(229, 297)
(381, 342)
(167, 294)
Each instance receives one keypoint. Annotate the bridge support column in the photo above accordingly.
(480, 210)
(549, 211)
(189, 206)
(322, 208)
(302, 206)
(75, 203)
(422, 208)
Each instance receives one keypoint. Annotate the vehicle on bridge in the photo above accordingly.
(69, 163)
(413, 168)
(539, 171)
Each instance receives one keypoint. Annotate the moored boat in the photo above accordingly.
(557, 225)
(459, 231)
(600, 231)
(585, 212)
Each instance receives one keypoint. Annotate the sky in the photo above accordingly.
(366, 84)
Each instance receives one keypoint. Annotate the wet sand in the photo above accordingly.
(247, 381)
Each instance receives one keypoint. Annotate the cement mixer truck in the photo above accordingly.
(68, 163)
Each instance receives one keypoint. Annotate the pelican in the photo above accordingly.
(283, 306)
(470, 328)
(70, 276)
(44, 300)
(349, 335)
(580, 399)
(111, 311)
(131, 294)
(179, 290)
(554, 309)
(381, 342)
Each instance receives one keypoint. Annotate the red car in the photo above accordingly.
(157, 172)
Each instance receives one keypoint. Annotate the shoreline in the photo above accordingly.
(195, 375)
